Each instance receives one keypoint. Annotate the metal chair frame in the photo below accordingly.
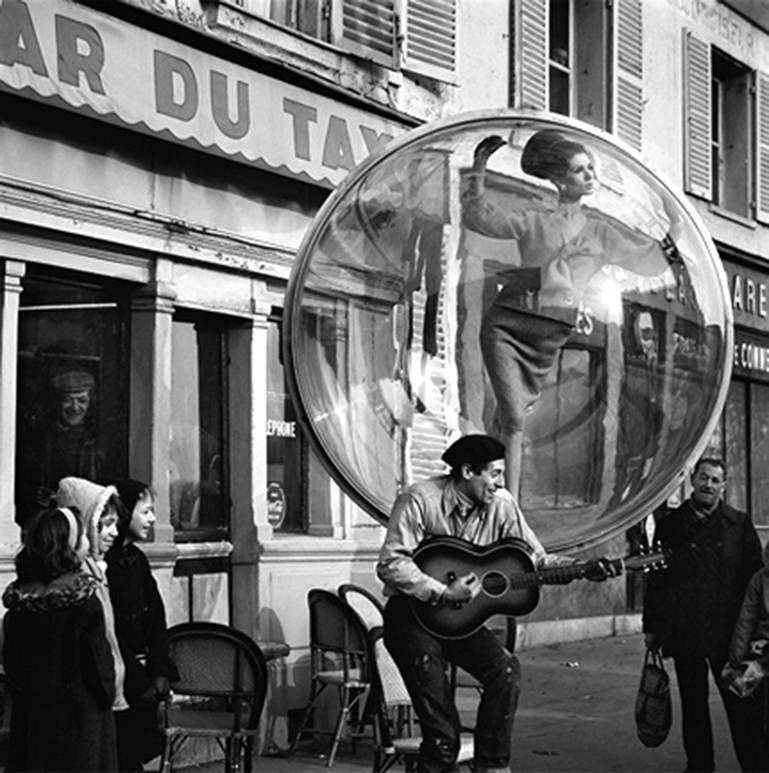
(370, 609)
(340, 657)
(209, 703)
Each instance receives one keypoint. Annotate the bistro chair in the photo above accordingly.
(220, 693)
(369, 608)
(340, 658)
(396, 736)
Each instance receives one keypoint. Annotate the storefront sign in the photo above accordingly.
(749, 291)
(276, 504)
(281, 428)
(751, 356)
(80, 59)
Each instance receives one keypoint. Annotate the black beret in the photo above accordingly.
(475, 450)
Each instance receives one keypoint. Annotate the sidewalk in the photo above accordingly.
(575, 714)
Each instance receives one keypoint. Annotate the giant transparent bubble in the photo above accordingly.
(523, 276)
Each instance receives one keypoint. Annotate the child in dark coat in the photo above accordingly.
(140, 623)
(58, 663)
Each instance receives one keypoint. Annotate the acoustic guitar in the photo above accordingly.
(509, 583)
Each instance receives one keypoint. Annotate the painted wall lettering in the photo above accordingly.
(80, 51)
(176, 88)
(749, 290)
(18, 40)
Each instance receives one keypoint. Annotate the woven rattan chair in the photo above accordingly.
(340, 657)
(369, 608)
(220, 693)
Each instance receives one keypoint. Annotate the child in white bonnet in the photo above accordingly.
(97, 507)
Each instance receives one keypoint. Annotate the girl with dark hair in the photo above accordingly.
(57, 660)
(140, 623)
(562, 248)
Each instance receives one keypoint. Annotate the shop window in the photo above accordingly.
(730, 441)
(758, 443)
(298, 487)
(72, 384)
(198, 451)
(744, 444)
(418, 36)
(583, 59)
(285, 448)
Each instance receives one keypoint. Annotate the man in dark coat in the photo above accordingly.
(691, 608)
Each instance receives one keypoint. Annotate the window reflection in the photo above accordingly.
(285, 463)
(199, 505)
(72, 406)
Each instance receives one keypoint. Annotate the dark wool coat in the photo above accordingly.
(140, 625)
(753, 619)
(692, 605)
(61, 678)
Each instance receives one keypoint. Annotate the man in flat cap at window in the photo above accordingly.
(469, 503)
(65, 445)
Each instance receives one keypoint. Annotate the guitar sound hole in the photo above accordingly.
(494, 584)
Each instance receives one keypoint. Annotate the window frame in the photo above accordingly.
(223, 531)
(698, 135)
(606, 63)
(555, 67)
(728, 77)
(302, 526)
(114, 297)
(414, 36)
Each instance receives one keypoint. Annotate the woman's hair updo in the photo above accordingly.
(548, 153)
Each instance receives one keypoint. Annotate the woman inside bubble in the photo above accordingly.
(562, 248)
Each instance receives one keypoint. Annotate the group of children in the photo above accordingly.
(85, 646)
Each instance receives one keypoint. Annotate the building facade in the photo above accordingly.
(160, 163)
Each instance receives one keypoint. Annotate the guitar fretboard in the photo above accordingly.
(553, 575)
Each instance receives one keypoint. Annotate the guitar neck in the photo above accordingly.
(553, 575)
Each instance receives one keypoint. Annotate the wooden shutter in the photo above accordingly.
(762, 147)
(368, 30)
(627, 116)
(531, 55)
(429, 38)
(697, 109)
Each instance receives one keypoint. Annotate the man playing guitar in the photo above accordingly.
(469, 503)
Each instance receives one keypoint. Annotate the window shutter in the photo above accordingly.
(762, 160)
(429, 40)
(531, 55)
(369, 29)
(627, 119)
(697, 109)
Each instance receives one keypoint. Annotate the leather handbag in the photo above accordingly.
(653, 709)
